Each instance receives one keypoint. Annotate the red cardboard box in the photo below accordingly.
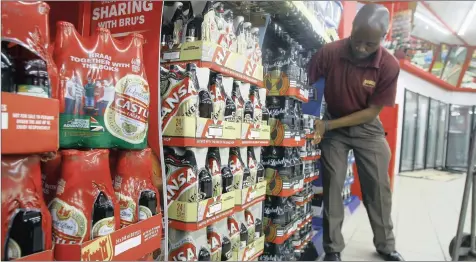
(127, 244)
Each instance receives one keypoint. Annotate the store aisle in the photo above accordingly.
(425, 216)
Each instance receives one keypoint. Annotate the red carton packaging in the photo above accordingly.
(85, 206)
(24, 212)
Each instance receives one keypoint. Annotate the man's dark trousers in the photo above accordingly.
(372, 156)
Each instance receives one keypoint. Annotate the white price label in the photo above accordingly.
(215, 131)
(214, 208)
(252, 196)
(4, 120)
(254, 134)
(297, 138)
(171, 55)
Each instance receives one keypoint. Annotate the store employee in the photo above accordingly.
(360, 79)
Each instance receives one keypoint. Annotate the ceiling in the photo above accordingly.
(440, 21)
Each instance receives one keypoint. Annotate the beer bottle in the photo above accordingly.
(258, 228)
(205, 105)
(25, 235)
(147, 204)
(8, 70)
(238, 99)
(32, 78)
(204, 255)
(205, 186)
(259, 172)
(243, 236)
(103, 217)
(226, 251)
(227, 179)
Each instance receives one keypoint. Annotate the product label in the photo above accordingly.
(126, 117)
(144, 213)
(182, 181)
(179, 100)
(69, 223)
(104, 92)
(13, 249)
(103, 227)
(184, 251)
(128, 209)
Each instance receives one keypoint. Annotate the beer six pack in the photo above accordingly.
(104, 94)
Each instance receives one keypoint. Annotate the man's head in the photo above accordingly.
(368, 30)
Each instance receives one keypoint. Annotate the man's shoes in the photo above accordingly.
(332, 257)
(392, 256)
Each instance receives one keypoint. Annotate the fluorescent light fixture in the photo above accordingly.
(467, 21)
(433, 24)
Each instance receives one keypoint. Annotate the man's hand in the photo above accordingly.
(319, 131)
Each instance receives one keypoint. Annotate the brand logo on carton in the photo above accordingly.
(214, 240)
(126, 117)
(186, 252)
(177, 95)
(99, 249)
(181, 180)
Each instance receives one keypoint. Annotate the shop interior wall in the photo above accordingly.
(418, 85)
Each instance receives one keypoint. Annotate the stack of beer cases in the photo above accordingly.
(98, 187)
(290, 159)
(214, 122)
(29, 130)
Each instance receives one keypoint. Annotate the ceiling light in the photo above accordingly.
(468, 20)
(433, 24)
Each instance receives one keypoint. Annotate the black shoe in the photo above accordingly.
(392, 256)
(332, 257)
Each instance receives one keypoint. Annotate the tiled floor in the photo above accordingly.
(425, 216)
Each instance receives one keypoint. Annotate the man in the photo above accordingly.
(89, 93)
(360, 79)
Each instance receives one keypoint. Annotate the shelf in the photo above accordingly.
(309, 32)
(215, 57)
(311, 158)
(310, 179)
(211, 142)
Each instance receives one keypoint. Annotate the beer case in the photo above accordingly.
(278, 83)
(216, 234)
(188, 245)
(25, 118)
(21, 191)
(127, 244)
(104, 94)
(252, 128)
(84, 188)
(133, 185)
(181, 123)
(249, 196)
(282, 122)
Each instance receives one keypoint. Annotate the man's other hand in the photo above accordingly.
(319, 130)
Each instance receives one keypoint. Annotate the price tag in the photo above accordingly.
(297, 138)
(216, 131)
(254, 133)
(252, 195)
(214, 208)
(171, 55)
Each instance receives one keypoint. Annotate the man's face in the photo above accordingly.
(364, 41)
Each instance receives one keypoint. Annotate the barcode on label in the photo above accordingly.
(215, 131)
(4, 120)
(171, 55)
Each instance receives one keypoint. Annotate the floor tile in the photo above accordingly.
(425, 215)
